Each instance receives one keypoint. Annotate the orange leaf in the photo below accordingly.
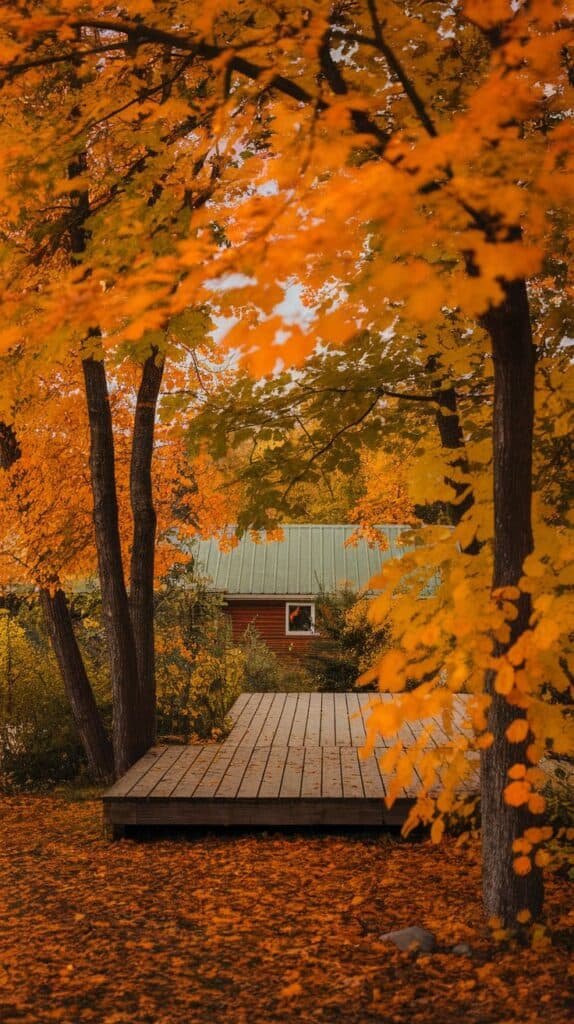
(522, 865)
(517, 731)
(542, 858)
(504, 678)
(437, 830)
(536, 803)
(517, 793)
(295, 989)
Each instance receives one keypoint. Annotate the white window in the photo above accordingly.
(299, 618)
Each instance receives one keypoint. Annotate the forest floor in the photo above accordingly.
(254, 929)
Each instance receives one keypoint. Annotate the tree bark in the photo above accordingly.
(143, 546)
(129, 736)
(504, 892)
(9, 447)
(85, 711)
(452, 439)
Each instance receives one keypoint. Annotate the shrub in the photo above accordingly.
(199, 672)
(265, 672)
(262, 667)
(346, 643)
(39, 744)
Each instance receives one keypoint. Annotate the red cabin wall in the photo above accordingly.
(268, 618)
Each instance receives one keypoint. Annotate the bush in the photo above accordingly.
(265, 672)
(39, 744)
(346, 643)
(199, 672)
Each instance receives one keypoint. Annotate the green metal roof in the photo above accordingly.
(309, 559)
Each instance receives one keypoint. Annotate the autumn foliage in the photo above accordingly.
(410, 171)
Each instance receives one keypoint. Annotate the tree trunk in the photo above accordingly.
(77, 685)
(143, 547)
(452, 439)
(505, 893)
(87, 718)
(129, 736)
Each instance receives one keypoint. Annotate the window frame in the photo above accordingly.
(299, 604)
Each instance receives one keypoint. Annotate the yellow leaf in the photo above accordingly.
(545, 634)
(533, 566)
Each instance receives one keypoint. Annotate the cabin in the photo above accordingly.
(274, 585)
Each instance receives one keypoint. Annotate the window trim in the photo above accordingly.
(299, 604)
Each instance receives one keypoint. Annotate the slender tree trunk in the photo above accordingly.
(452, 440)
(129, 736)
(504, 892)
(77, 685)
(9, 447)
(143, 547)
(86, 715)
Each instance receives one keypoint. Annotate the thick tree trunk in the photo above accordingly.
(505, 893)
(129, 736)
(77, 685)
(143, 548)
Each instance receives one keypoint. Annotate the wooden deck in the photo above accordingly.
(290, 760)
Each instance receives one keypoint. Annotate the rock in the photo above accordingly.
(462, 949)
(414, 938)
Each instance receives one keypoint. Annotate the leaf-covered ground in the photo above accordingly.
(253, 930)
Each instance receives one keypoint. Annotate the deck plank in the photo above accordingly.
(193, 776)
(356, 725)
(364, 701)
(271, 783)
(156, 772)
(286, 721)
(267, 734)
(244, 719)
(373, 784)
(233, 775)
(327, 720)
(297, 736)
(207, 786)
(332, 785)
(351, 773)
(342, 727)
(313, 730)
(238, 706)
(252, 778)
(135, 773)
(293, 774)
(251, 735)
(312, 771)
(175, 773)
